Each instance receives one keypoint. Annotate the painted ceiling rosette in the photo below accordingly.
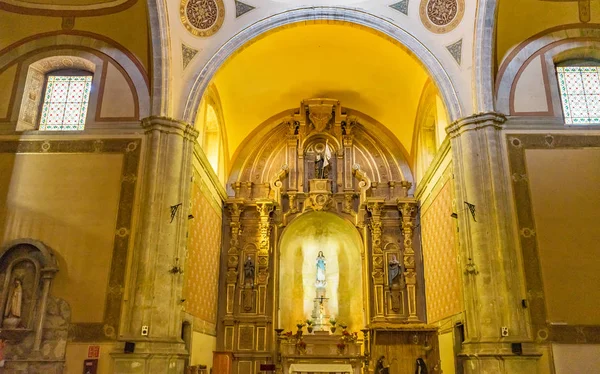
(441, 16)
(202, 17)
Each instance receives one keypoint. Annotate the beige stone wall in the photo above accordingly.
(564, 191)
(440, 251)
(69, 202)
(202, 264)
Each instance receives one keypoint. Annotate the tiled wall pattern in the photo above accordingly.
(442, 277)
(202, 265)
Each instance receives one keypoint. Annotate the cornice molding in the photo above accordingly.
(475, 122)
(170, 126)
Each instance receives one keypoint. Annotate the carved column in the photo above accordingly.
(375, 208)
(265, 208)
(236, 208)
(156, 280)
(492, 278)
(408, 210)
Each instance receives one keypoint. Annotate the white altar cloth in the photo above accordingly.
(321, 368)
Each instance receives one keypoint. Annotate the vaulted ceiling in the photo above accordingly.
(363, 70)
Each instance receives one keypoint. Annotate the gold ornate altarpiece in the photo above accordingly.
(369, 184)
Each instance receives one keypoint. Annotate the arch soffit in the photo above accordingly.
(303, 215)
(212, 98)
(432, 65)
(484, 42)
(83, 41)
(513, 65)
(50, 262)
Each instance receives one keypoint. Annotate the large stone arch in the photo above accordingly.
(312, 14)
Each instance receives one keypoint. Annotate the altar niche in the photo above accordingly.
(303, 294)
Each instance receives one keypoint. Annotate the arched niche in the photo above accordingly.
(32, 265)
(342, 247)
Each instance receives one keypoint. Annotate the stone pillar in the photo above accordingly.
(159, 253)
(493, 281)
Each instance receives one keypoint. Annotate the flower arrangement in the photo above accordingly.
(309, 322)
(300, 325)
(332, 321)
(349, 337)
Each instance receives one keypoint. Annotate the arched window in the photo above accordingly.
(579, 84)
(65, 100)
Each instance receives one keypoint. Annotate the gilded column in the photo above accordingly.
(158, 257)
(236, 208)
(408, 210)
(375, 207)
(265, 208)
(493, 281)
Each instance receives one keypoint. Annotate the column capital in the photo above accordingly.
(476, 122)
(170, 126)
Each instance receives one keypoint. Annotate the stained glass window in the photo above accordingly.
(580, 94)
(65, 102)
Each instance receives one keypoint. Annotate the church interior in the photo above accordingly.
(299, 187)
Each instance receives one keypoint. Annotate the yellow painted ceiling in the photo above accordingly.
(66, 2)
(520, 19)
(363, 70)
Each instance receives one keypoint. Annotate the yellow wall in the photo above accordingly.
(202, 349)
(69, 202)
(7, 79)
(564, 189)
(446, 342)
(78, 352)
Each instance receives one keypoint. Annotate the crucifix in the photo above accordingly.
(584, 9)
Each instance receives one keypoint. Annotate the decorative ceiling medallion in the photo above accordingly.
(441, 16)
(202, 17)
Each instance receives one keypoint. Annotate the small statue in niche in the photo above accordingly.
(321, 270)
(12, 312)
(249, 271)
(322, 164)
(394, 271)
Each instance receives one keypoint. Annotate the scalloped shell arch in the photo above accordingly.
(202, 17)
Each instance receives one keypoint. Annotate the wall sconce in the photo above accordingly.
(176, 269)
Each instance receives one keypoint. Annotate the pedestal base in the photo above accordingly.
(499, 358)
(151, 357)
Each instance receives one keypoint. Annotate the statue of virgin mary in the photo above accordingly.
(321, 270)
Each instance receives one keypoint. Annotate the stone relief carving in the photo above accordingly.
(441, 16)
(202, 17)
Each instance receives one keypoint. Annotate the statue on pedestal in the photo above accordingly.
(394, 271)
(322, 164)
(12, 312)
(249, 271)
(321, 282)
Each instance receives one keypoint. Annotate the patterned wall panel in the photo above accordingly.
(442, 278)
(202, 264)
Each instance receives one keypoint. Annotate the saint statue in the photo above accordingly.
(13, 304)
(319, 173)
(321, 270)
(394, 269)
(249, 271)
